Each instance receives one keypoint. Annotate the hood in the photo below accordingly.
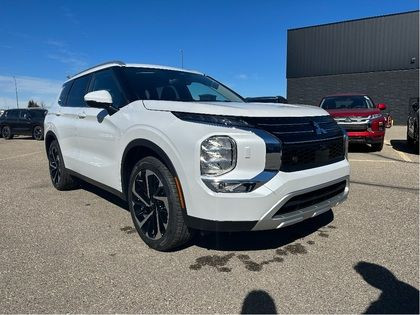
(237, 108)
(354, 112)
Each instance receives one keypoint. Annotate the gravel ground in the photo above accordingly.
(77, 251)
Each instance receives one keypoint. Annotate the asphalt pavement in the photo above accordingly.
(78, 252)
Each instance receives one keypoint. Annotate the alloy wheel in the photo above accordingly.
(54, 165)
(5, 132)
(38, 133)
(150, 204)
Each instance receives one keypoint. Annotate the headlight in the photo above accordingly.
(218, 155)
(374, 116)
(225, 121)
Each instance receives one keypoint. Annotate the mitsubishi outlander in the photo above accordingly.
(187, 153)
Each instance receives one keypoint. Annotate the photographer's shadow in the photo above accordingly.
(397, 297)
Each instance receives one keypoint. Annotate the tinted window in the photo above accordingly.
(64, 92)
(346, 102)
(12, 114)
(78, 91)
(37, 113)
(105, 80)
(172, 85)
(24, 114)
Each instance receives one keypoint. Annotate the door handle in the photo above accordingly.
(57, 114)
(81, 115)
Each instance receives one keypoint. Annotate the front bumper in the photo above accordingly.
(367, 137)
(261, 209)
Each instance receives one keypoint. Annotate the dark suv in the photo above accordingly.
(25, 122)
(413, 123)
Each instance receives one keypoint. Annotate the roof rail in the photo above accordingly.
(100, 65)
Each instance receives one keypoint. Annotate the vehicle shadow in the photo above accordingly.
(257, 240)
(104, 194)
(21, 138)
(397, 297)
(258, 302)
(402, 146)
(236, 241)
(359, 148)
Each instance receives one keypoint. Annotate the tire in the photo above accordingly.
(38, 133)
(60, 178)
(377, 146)
(155, 206)
(6, 133)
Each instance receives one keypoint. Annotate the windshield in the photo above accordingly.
(170, 85)
(346, 102)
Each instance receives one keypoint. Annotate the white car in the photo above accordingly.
(187, 153)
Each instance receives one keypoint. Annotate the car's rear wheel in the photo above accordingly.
(6, 133)
(38, 133)
(60, 178)
(377, 146)
(155, 206)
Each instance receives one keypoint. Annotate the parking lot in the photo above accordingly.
(78, 252)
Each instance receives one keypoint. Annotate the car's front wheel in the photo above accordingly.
(38, 133)
(6, 133)
(60, 178)
(155, 206)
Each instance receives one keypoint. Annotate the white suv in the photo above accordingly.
(187, 153)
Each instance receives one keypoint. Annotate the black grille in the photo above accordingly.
(312, 198)
(308, 142)
(300, 156)
(354, 127)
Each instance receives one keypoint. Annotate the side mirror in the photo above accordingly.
(100, 99)
(381, 106)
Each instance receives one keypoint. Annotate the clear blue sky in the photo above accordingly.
(241, 43)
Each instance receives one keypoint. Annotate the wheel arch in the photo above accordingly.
(138, 149)
(49, 138)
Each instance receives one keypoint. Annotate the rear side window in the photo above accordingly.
(64, 92)
(78, 92)
(105, 80)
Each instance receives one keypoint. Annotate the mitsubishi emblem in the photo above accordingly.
(317, 128)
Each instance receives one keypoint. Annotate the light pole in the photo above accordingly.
(181, 51)
(17, 100)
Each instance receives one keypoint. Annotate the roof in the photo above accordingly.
(110, 64)
(353, 20)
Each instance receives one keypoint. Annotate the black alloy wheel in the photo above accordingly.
(150, 204)
(54, 165)
(156, 204)
(38, 133)
(6, 133)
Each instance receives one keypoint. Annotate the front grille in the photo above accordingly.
(312, 198)
(354, 127)
(308, 142)
(301, 156)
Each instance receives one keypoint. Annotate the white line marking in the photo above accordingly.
(404, 156)
(373, 161)
(18, 156)
(401, 154)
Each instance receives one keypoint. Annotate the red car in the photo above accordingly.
(358, 115)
